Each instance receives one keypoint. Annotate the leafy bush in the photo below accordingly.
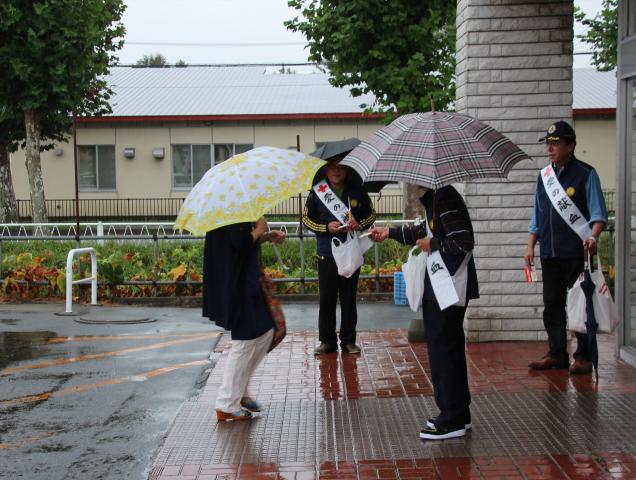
(180, 261)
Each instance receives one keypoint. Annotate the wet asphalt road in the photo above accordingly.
(80, 401)
(97, 405)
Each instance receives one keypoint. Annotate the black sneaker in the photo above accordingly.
(351, 348)
(430, 423)
(324, 348)
(442, 433)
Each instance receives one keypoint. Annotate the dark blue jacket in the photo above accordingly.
(556, 237)
(232, 293)
(316, 216)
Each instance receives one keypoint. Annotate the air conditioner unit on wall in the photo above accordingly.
(159, 153)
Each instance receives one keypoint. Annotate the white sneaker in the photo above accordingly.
(442, 433)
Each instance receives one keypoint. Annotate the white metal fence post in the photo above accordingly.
(69, 276)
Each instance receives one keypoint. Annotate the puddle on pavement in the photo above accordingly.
(20, 346)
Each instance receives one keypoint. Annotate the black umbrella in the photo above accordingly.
(338, 148)
(332, 149)
(588, 287)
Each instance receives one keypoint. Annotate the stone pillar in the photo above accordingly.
(514, 72)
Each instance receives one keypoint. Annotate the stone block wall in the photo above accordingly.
(514, 72)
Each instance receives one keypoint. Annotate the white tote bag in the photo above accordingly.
(347, 254)
(414, 271)
(604, 309)
(460, 280)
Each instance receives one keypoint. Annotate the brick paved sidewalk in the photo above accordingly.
(358, 417)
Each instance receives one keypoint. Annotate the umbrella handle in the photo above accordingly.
(277, 253)
(279, 258)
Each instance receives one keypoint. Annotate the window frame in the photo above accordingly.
(212, 159)
(96, 148)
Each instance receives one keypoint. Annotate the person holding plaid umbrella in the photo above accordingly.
(434, 150)
(449, 232)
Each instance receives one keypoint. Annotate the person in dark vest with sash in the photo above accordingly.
(335, 206)
(448, 239)
(569, 215)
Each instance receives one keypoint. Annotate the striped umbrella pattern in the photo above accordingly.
(434, 149)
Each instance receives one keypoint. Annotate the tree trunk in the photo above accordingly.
(34, 167)
(8, 205)
(411, 206)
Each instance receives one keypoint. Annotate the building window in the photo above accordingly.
(190, 162)
(223, 151)
(96, 167)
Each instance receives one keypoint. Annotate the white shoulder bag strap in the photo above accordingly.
(332, 202)
(441, 280)
(564, 206)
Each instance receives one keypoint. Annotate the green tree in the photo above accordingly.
(402, 52)
(55, 54)
(602, 34)
(153, 60)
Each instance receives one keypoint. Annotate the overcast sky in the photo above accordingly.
(231, 31)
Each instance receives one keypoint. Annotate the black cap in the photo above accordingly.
(559, 130)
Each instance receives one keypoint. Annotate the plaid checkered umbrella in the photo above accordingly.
(434, 149)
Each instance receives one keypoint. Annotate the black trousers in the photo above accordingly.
(447, 357)
(559, 274)
(332, 286)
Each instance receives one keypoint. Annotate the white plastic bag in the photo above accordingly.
(347, 254)
(414, 271)
(460, 280)
(604, 309)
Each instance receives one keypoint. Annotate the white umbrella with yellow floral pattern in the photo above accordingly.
(244, 187)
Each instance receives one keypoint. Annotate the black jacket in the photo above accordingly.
(452, 231)
(316, 216)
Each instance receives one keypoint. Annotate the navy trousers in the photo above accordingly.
(444, 332)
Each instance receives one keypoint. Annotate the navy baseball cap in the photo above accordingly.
(559, 130)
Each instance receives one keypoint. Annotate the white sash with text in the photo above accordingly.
(564, 205)
(332, 202)
(441, 280)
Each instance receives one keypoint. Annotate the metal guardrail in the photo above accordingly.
(156, 233)
(152, 209)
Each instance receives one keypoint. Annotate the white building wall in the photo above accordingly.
(596, 145)
(146, 177)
